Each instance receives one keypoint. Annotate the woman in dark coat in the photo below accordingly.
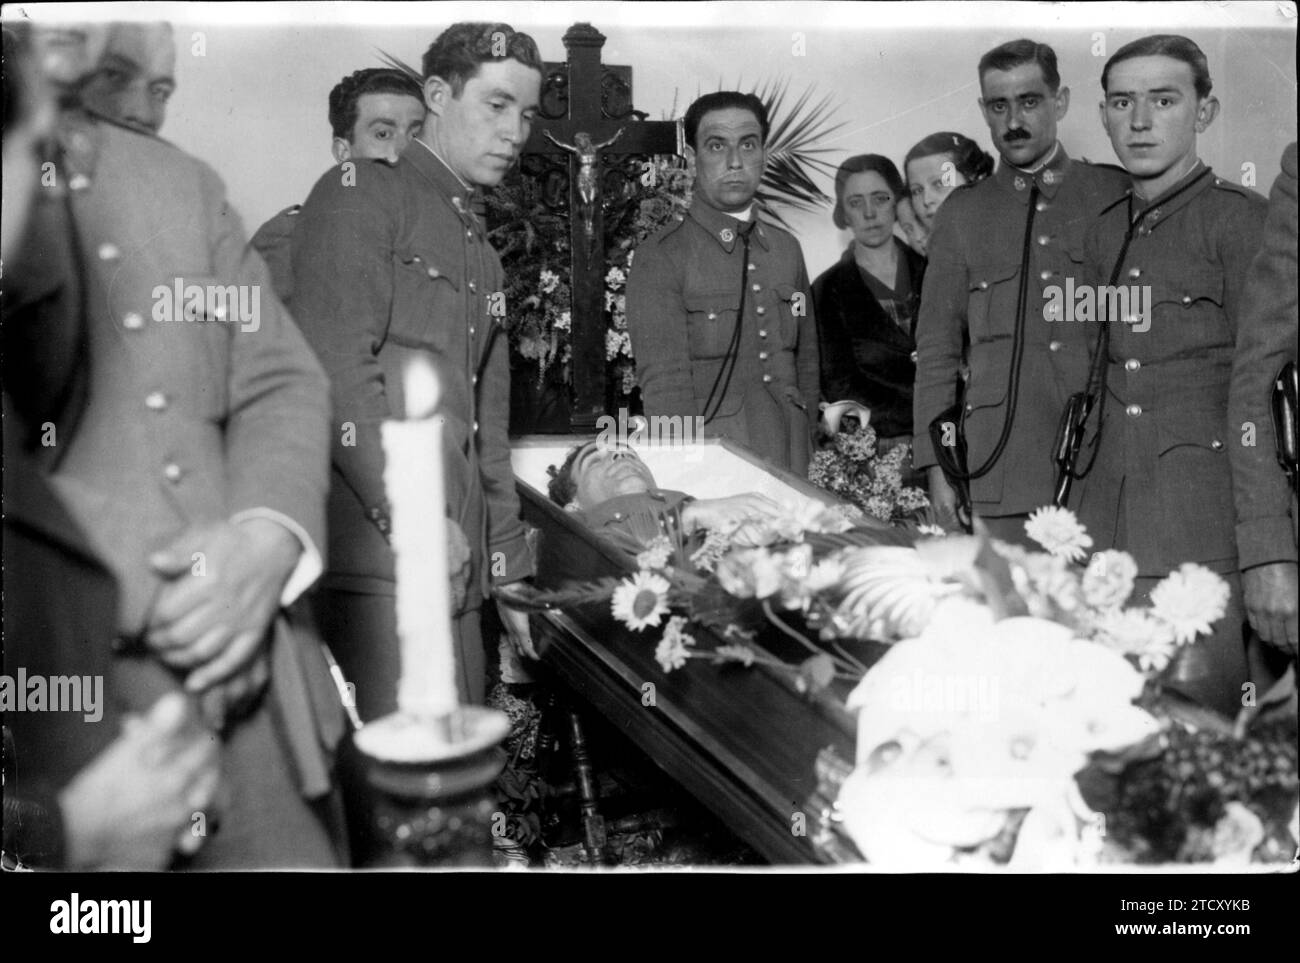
(866, 304)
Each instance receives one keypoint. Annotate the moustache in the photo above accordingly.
(1012, 136)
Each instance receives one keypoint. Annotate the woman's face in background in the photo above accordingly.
(918, 238)
(930, 180)
(869, 209)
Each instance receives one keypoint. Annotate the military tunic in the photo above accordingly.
(977, 257)
(274, 241)
(684, 290)
(388, 263)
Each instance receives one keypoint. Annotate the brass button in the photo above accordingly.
(476, 427)
(1216, 445)
(469, 233)
(473, 379)
(156, 401)
(471, 329)
(473, 288)
(109, 252)
(760, 310)
(1040, 206)
(1054, 346)
(762, 332)
(767, 377)
(1187, 299)
(1133, 410)
(762, 356)
(1132, 364)
(984, 285)
(712, 315)
(914, 356)
(1042, 240)
(970, 408)
(757, 287)
(1045, 275)
(1135, 272)
(753, 266)
(433, 272)
(78, 182)
(172, 472)
(133, 322)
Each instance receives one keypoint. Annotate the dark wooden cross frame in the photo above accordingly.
(584, 96)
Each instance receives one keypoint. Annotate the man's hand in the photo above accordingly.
(223, 588)
(517, 629)
(944, 500)
(727, 514)
(1270, 596)
(131, 807)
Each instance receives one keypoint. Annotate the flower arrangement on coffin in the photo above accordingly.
(853, 468)
(1016, 677)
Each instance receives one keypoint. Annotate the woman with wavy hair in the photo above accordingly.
(939, 164)
(866, 303)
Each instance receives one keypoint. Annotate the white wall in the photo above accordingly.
(254, 105)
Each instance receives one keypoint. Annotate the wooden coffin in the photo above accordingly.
(742, 740)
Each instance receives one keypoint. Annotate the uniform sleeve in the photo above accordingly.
(342, 269)
(276, 433)
(657, 327)
(1266, 340)
(509, 557)
(808, 363)
(939, 329)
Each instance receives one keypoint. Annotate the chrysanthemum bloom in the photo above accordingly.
(1108, 581)
(672, 650)
(656, 554)
(641, 600)
(1058, 531)
(1190, 600)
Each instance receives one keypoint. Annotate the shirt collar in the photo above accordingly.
(1157, 211)
(463, 197)
(722, 227)
(1047, 176)
(621, 506)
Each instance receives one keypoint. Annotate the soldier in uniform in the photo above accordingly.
(136, 77)
(1000, 247)
(719, 306)
(1161, 484)
(374, 114)
(197, 475)
(1266, 340)
(393, 262)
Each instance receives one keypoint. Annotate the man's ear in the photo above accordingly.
(689, 153)
(341, 150)
(1206, 112)
(1062, 102)
(436, 94)
(1101, 112)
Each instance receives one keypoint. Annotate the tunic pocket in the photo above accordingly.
(991, 301)
(710, 321)
(426, 300)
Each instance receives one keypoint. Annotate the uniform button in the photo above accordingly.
(1041, 206)
(713, 315)
(433, 272)
(1046, 274)
(760, 310)
(753, 266)
(1155, 213)
(469, 233)
(984, 285)
(473, 288)
(762, 332)
(78, 182)
(473, 379)
(1132, 364)
(1187, 299)
(914, 356)
(618, 516)
(476, 427)
(767, 377)
(1043, 239)
(172, 472)
(109, 252)
(471, 329)
(1135, 272)
(970, 408)
(762, 356)
(1216, 445)
(133, 322)
(1054, 346)
(1133, 410)
(155, 401)
(758, 287)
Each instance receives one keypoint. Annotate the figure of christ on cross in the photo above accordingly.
(587, 154)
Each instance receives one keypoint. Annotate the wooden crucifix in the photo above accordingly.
(586, 107)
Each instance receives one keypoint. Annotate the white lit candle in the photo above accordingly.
(413, 479)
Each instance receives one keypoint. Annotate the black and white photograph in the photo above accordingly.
(546, 441)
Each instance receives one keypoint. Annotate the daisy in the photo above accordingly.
(656, 554)
(1058, 531)
(1190, 600)
(641, 600)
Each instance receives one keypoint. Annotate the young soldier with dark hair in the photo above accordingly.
(1161, 485)
(719, 307)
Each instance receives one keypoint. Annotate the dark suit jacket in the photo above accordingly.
(1266, 339)
(865, 356)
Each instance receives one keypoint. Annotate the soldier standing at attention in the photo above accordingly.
(997, 249)
(719, 307)
(1161, 485)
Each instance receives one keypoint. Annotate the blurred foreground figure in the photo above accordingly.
(135, 78)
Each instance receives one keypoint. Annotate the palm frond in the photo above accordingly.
(398, 64)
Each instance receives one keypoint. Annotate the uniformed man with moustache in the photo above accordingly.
(374, 114)
(719, 305)
(136, 77)
(1161, 484)
(1267, 331)
(997, 249)
(393, 263)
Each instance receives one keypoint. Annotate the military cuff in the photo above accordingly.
(510, 561)
(1261, 541)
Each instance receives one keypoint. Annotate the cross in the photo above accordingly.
(584, 96)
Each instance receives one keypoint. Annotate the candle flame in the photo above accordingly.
(421, 387)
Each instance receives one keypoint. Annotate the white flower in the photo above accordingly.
(1135, 632)
(615, 278)
(749, 573)
(563, 322)
(656, 554)
(735, 653)
(641, 600)
(1190, 600)
(1108, 580)
(672, 650)
(1058, 531)
(549, 281)
(934, 530)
